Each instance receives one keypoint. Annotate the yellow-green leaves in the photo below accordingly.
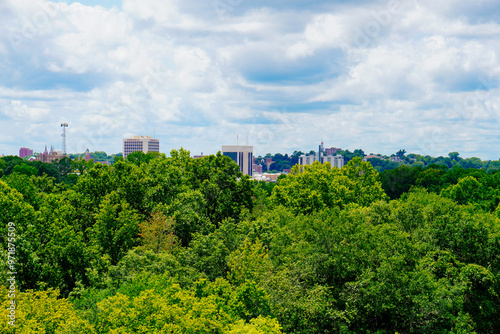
(260, 325)
(212, 306)
(42, 312)
(249, 262)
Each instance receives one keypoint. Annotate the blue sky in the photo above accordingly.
(280, 75)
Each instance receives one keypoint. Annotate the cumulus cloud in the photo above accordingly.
(21, 112)
(376, 75)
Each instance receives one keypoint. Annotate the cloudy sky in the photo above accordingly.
(279, 75)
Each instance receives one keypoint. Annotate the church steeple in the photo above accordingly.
(87, 155)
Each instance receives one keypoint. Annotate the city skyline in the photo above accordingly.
(328, 151)
(372, 75)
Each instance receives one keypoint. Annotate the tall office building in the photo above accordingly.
(242, 155)
(140, 143)
(323, 156)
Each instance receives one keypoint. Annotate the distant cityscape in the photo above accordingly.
(267, 168)
(241, 154)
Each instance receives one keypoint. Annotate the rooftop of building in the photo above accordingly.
(141, 137)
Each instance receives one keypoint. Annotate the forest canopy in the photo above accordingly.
(156, 244)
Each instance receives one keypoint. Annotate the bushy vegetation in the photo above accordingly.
(179, 245)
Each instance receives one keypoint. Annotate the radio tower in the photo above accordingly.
(64, 126)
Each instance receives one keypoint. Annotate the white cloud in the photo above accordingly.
(17, 111)
(163, 13)
(280, 76)
(192, 65)
(325, 31)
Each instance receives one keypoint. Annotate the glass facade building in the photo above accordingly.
(242, 155)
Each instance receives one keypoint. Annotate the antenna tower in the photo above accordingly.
(64, 126)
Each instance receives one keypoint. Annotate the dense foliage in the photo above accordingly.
(179, 245)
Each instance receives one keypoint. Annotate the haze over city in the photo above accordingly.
(279, 75)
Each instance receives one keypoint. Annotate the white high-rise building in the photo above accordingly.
(308, 159)
(242, 155)
(140, 143)
(334, 160)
